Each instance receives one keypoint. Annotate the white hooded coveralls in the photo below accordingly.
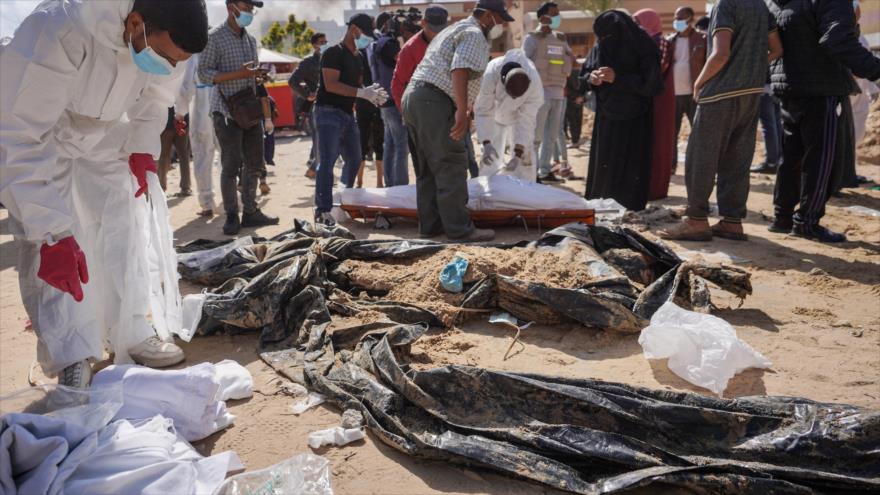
(75, 107)
(507, 121)
(194, 98)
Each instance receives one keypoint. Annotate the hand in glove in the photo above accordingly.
(375, 94)
(63, 266)
(140, 164)
(490, 154)
(180, 125)
(513, 163)
(269, 126)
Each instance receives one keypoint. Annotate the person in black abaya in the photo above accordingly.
(623, 70)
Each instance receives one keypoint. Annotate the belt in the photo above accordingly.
(425, 84)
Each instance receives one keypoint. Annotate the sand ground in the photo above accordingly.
(815, 314)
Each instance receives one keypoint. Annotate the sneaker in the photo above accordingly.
(232, 224)
(156, 353)
(550, 178)
(264, 188)
(206, 213)
(77, 375)
(325, 218)
(817, 233)
(781, 225)
(257, 219)
(477, 235)
(763, 168)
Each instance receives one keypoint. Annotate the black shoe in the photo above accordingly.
(781, 226)
(325, 218)
(817, 233)
(763, 168)
(232, 224)
(257, 219)
(550, 178)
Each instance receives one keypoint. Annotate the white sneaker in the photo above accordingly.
(156, 353)
(77, 375)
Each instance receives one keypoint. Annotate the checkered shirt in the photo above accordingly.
(226, 52)
(460, 46)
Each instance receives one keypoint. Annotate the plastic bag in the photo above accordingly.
(314, 399)
(337, 435)
(303, 474)
(452, 276)
(702, 349)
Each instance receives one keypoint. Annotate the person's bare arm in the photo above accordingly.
(775, 46)
(717, 59)
(332, 84)
(267, 109)
(460, 90)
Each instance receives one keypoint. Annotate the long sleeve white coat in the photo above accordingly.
(494, 106)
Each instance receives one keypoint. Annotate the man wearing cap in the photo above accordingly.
(435, 109)
(505, 111)
(553, 58)
(340, 86)
(230, 63)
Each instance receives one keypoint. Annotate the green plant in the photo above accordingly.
(293, 37)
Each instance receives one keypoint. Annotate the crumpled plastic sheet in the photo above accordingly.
(303, 474)
(594, 437)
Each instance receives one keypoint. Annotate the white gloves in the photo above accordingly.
(269, 126)
(490, 154)
(375, 94)
(513, 163)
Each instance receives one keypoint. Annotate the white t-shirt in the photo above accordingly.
(682, 67)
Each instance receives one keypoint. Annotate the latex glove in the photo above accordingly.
(63, 266)
(269, 126)
(375, 94)
(140, 164)
(490, 154)
(513, 163)
(180, 125)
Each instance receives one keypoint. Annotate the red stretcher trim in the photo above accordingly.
(485, 218)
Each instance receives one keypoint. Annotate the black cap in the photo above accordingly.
(363, 22)
(255, 3)
(437, 18)
(499, 6)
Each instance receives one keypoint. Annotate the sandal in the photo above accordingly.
(688, 231)
(725, 232)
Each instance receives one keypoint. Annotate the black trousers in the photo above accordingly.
(815, 143)
(574, 120)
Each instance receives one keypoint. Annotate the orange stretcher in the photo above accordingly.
(486, 218)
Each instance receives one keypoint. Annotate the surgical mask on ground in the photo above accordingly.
(496, 31)
(679, 25)
(555, 21)
(244, 19)
(148, 61)
(362, 41)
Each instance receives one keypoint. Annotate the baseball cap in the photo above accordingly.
(363, 22)
(255, 3)
(437, 18)
(498, 6)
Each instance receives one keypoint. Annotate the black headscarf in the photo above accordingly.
(620, 41)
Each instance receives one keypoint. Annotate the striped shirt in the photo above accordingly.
(460, 46)
(226, 52)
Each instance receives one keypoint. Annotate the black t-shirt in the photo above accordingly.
(350, 67)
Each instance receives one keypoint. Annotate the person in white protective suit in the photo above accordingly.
(505, 112)
(84, 90)
(195, 99)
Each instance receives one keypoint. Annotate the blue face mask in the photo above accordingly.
(244, 19)
(324, 47)
(362, 41)
(555, 21)
(147, 60)
(679, 25)
(855, 5)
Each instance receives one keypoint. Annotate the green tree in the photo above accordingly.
(293, 37)
(594, 7)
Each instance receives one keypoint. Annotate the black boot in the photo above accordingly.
(817, 233)
(257, 219)
(232, 224)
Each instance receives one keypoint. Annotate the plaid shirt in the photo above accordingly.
(460, 46)
(226, 52)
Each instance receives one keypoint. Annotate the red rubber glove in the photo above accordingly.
(63, 266)
(180, 127)
(140, 164)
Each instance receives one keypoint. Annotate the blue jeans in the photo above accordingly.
(771, 127)
(547, 130)
(396, 148)
(337, 135)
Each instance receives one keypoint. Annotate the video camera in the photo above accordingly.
(403, 18)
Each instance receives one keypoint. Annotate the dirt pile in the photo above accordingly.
(416, 281)
(869, 149)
